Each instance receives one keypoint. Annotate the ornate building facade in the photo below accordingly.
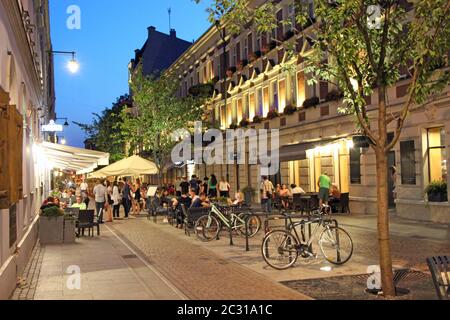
(26, 103)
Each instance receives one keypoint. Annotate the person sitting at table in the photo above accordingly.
(239, 198)
(285, 196)
(176, 205)
(79, 204)
(335, 197)
(297, 190)
(200, 201)
(48, 203)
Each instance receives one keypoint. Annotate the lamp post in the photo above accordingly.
(73, 64)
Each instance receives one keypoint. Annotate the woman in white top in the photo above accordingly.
(224, 188)
(116, 199)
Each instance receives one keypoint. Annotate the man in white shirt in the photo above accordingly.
(101, 195)
(267, 190)
(84, 192)
(297, 190)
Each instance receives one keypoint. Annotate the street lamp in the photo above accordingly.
(73, 64)
(66, 123)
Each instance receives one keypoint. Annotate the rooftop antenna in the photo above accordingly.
(169, 10)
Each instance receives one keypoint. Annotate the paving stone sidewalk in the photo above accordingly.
(109, 271)
(199, 273)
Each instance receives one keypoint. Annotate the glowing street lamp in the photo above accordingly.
(73, 64)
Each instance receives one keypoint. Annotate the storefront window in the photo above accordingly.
(437, 154)
(408, 158)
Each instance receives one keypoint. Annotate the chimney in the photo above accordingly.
(151, 29)
(173, 33)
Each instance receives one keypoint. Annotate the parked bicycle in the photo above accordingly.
(281, 248)
(208, 227)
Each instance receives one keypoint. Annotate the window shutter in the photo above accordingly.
(408, 158)
(15, 145)
(4, 161)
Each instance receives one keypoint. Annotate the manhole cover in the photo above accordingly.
(130, 256)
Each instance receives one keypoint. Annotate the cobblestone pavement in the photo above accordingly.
(197, 272)
(191, 263)
(26, 288)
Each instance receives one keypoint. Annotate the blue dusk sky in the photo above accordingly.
(110, 32)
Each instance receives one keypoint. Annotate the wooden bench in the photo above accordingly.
(440, 272)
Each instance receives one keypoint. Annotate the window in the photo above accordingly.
(246, 106)
(355, 166)
(240, 111)
(246, 53)
(250, 45)
(275, 102)
(234, 58)
(223, 117)
(437, 154)
(282, 92)
(266, 101)
(301, 89)
(252, 106)
(260, 110)
(291, 15)
(229, 115)
(408, 159)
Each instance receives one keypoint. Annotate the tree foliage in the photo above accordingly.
(158, 113)
(102, 134)
(361, 46)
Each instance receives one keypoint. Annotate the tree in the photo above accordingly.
(158, 113)
(102, 134)
(360, 45)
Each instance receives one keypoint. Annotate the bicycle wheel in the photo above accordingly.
(336, 245)
(207, 228)
(253, 224)
(279, 249)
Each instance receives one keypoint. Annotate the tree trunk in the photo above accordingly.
(387, 276)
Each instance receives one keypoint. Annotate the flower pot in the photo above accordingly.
(51, 230)
(437, 197)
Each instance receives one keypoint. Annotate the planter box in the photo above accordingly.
(51, 230)
(69, 231)
(437, 197)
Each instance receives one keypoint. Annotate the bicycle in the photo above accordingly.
(208, 227)
(281, 248)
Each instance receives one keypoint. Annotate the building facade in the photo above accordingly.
(26, 103)
(159, 51)
(314, 137)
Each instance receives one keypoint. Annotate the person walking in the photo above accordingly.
(137, 197)
(184, 185)
(116, 200)
(109, 207)
(126, 197)
(212, 186)
(224, 188)
(324, 185)
(101, 195)
(267, 190)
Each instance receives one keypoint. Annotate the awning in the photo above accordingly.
(72, 159)
(297, 152)
(133, 166)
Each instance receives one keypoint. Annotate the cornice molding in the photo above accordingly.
(13, 12)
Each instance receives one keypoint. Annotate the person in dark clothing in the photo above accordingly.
(187, 201)
(193, 184)
(204, 186)
(184, 185)
(200, 201)
(126, 198)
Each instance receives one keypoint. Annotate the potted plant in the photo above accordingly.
(312, 102)
(51, 226)
(244, 123)
(334, 95)
(290, 109)
(255, 55)
(257, 119)
(437, 191)
(249, 193)
(273, 113)
(233, 126)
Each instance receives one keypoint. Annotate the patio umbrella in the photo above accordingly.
(133, 166)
